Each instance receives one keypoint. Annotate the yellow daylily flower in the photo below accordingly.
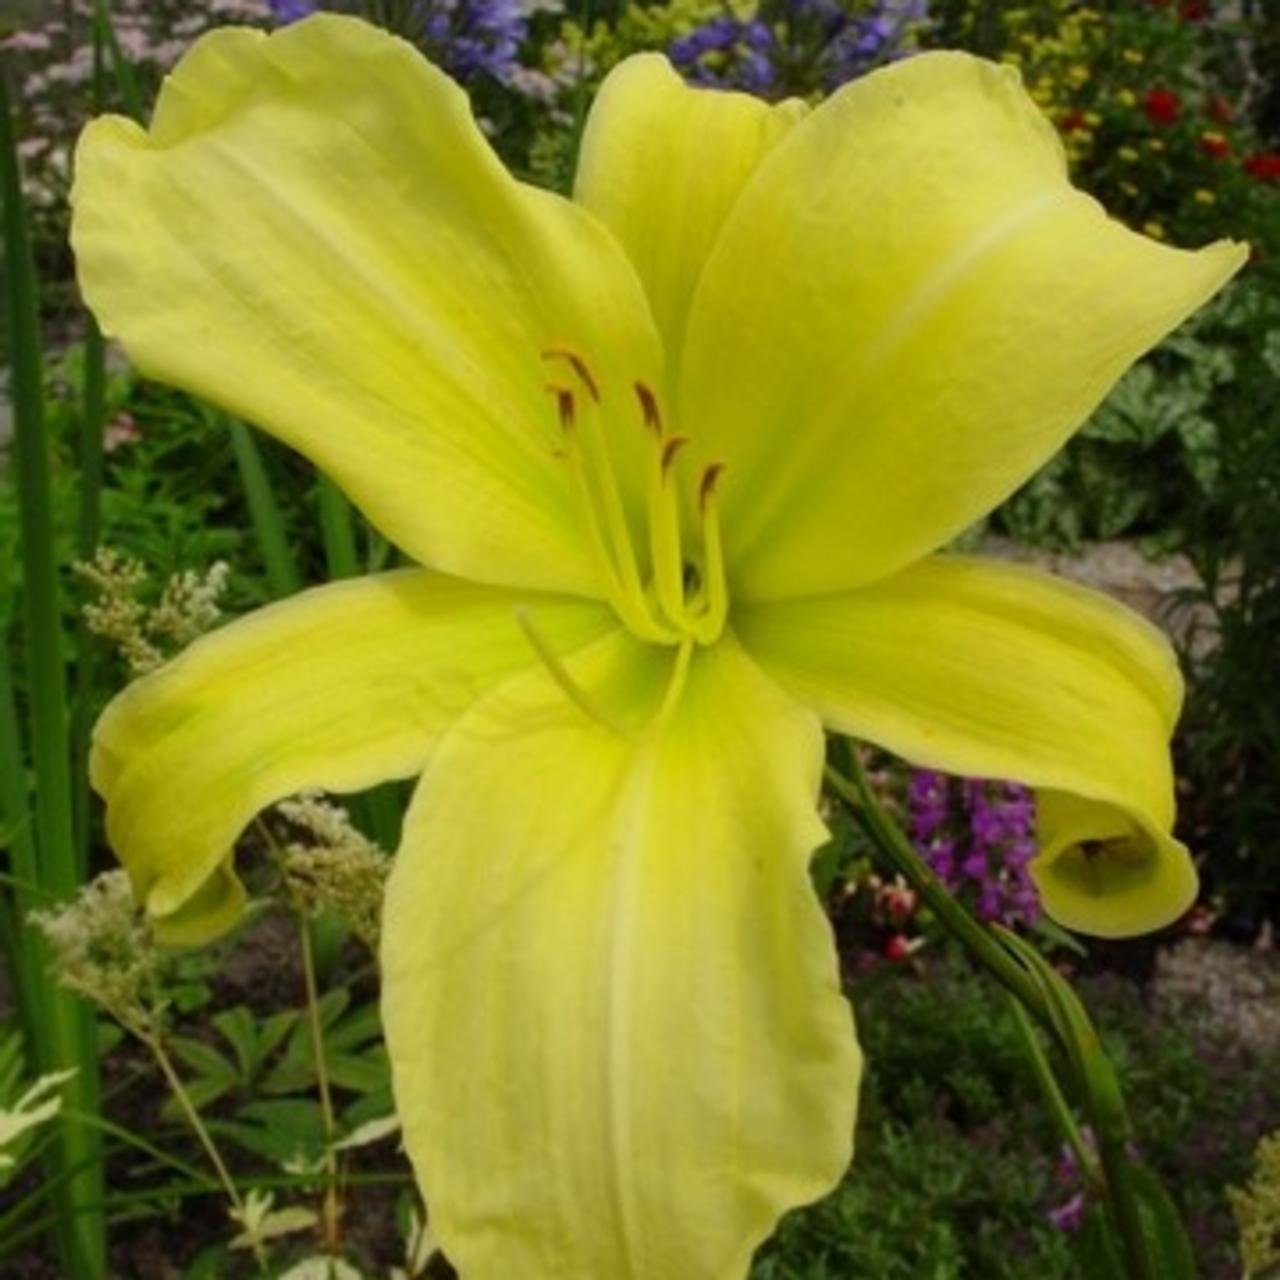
(676, 457)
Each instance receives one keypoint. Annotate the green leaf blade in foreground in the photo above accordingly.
(65, 1033)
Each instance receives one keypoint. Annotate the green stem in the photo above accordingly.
(92, 413)
(1086, 1160)
(857, 793)
(330, 1215)
(92, 423)
(179, 1091)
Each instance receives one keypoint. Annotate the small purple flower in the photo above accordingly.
(1069, 1215)
(283, 12)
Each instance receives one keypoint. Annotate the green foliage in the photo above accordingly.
(1231, 739)
(1149, 461)
(955, 1168)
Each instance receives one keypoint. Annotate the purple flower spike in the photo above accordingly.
(978, 837)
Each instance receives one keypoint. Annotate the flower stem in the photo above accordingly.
(330, 1209)
(183, 1098)
(1086, 1160)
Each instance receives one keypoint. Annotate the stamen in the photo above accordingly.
(664, 534)
(605, 516)
(649, 408)
(579, 366)
(670, 450)
(707, 488)
(712, 620)
(560, 674)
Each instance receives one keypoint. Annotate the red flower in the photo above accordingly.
(1215, 145)
(1162, 106)
(1264, 165)
(1193, 11)
(1070, 121)
(898, 948)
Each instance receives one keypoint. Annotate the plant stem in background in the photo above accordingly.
(330, 1210)
(183, 1098)
(65, 1028)
(92, 425)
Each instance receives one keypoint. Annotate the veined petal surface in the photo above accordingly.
(908, 311)
(339, 688)
(662, 164)
(314, 234)
(610, 995)
(986, 669)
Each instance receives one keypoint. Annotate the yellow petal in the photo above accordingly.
(315, 235)
(908, 312)
(610, 996)
(338, 688)
(993, 670)
(663, 164)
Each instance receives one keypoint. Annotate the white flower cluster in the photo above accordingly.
(102, 948)
(334, 868)
(147, 636)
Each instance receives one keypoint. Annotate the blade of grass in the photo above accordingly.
(66, 1035)
(337, 528)
(126, 81)
(17, 838)
(283, 575)
(92, 414)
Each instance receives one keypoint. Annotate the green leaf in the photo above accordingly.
(1099, 1257)
(1162, 1225)
(237, 1026)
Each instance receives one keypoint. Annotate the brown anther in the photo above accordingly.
(649, 407)
(669, 451)
(710, 478)
(579, 366)
(564, 405)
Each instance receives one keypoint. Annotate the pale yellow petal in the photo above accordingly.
(908, 311)
(662, 165)
(987, 669)
(314, 234)
(338, 688)
(611, 997)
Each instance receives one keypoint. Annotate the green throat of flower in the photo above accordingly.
(672, 591)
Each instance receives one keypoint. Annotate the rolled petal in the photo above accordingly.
(314, 234)
(993, 670)
(338, 688)
(610, 996)
(909, 310)
(662, 165)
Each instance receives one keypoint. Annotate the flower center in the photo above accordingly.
(668, 584)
